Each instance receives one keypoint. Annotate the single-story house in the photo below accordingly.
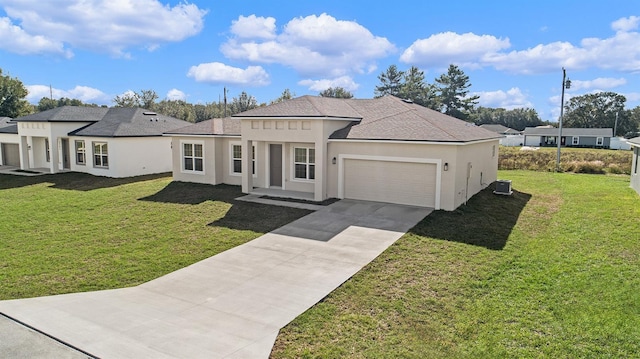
(384, 149)
(9, 149)
(571, 137)
(112, 142)
(635, 164)
(510, 137)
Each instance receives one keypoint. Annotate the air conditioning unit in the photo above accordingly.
(503, 187)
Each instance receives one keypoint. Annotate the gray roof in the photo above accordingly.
(66, 114)
(500, 129)
(634, 141)
(384, 118)
(7, 126)
(130, 122)
(227, 126)
(586, 132)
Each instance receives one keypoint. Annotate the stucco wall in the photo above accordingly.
(476, 167)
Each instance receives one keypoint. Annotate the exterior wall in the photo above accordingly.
(453, 186)
(635, 169)
(533, 141)
(587, 141)
(217, 160)
(128, 156)
(512, 140)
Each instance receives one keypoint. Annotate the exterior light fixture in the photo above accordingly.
(446, 166)
(333, 161)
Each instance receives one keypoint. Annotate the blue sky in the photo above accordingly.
(513, 51)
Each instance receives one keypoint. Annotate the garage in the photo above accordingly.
(10, 154)
(402, 181)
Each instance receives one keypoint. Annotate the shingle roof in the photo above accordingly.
(634, 141)
(227, 126)
(499, 129)
(130, 122)
(385, 118)
(66, 114)
(8, 127)
(537, 131)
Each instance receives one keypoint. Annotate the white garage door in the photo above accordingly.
(11, 154)
(390, 181)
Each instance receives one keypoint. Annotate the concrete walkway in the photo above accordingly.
(231, 305)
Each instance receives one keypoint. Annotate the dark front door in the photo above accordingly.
(65, 154)
(275, 165)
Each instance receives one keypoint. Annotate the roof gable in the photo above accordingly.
(306, 106)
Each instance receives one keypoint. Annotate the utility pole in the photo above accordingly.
(566, 83)
(615, 125)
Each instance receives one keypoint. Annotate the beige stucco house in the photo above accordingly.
(112, 142)
(383, 149)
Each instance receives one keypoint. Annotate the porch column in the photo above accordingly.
(247, 166)
(25, 153)
(53, 155)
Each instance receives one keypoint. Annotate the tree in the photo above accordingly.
(453, 91)
(597, 110)
(145, 99)
(633, 118)
(12, 97)
(390, 82)
(286, 95)
(243, 103)
(46, 103)
(337, 92)
(415, 88)
(517, 119)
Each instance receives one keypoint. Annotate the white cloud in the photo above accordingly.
(448, 47)
(15, 39)
(175, 94)
(599, 83)
(510, 99)
(346, 82)
(626, 23)
(104, 25)
(315, 46)
(216, 72)
(83, 93)
(253, 27)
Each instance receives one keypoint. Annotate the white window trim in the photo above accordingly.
(93, 153)
(575, 140)
(599, 141)
(84, 152)
(231, 159)
(293, 164)
(194, 171)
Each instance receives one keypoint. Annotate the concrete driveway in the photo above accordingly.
(231, 305)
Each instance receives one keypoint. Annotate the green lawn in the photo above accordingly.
(550, 272)
(74, 232)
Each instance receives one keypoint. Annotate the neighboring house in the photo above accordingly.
(635, 164)
(112, 142)
(571, 137)
(384, 149)
(510, 137)
(9, 148)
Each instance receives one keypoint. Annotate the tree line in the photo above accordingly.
(449, 93)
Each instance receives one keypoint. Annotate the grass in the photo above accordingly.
(74, 232)
(550, 272)
(578, 160)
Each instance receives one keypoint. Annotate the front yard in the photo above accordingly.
(73, 232)
(551, 271)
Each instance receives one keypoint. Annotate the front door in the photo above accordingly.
(65, 154)
(275, 165)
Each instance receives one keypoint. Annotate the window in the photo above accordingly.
(236, 159)
(80, 153)
(575, 140)
(100, 155)
(304, 160)
(192, 157)
(599, 141)
(47, 152)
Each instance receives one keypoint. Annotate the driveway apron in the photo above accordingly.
(231, 305)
